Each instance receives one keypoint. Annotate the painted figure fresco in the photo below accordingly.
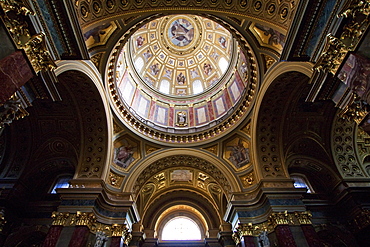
(147, 55)
(139, 41)
(181, 32)
(123, 156)
(239, 154)
(98, 33)
(154, 69)
(181, 118)
(222, 41)
(275, 38)
(194, 73)
(207, 68)
(181, 79)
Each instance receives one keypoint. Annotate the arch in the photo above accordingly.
(91, 99)
(217, 163)
(204, 212)
(273, 93)
(181, 211)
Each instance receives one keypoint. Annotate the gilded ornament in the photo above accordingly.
(281, 218)
(60, 218)
(11, 110)
(118, 230)
(20, 7)
(332, 56)
(304, 218)
(356, 110)
(38, 54)
(2, 220)
(85, 219)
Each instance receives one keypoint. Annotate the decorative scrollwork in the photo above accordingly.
(358, 13)
(356, 110)
(11, 110)
(333, 55)
(59, 218)
(20, 7)
(38, 54)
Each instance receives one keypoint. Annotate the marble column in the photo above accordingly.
(15, 71)
(248, 241)
(311, 236)
(52, 236)
(79, 237)
(285, 236)
(116, 241)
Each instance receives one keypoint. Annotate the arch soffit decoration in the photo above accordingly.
(317, 172)
(103, 159)
(272, 75)
(181, 210)
(146, 167)
(193, 200)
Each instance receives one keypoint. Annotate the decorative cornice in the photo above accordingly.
(15, 20)
(89, 219)
(275, 219)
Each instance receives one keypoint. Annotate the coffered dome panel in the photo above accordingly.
(181, 79)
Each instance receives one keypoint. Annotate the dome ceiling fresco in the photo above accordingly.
(181, 75)
(181, 55)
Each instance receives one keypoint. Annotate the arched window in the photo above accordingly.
(181, 228)
(197, 87)
(139, 64)
(223, 64)
(301, 182)
(62, 182)
(164, 87)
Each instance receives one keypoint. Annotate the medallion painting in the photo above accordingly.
(181, 32)
(125, 152)
(237, 152)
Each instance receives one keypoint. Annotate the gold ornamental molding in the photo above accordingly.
(275, 219)
(332, 57)
(89, 219)
(356, 110)
(15, 19)
(11, 110)
(336, 48)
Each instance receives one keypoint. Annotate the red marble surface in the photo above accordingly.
(14, 73)
(210, 111)
(227, 98)
(311, 236)
(79, 237)
(171, 121)
(152, 109)
(285, 236)
(53, 236)
(115, 242)
(191, 117)
(249, 241)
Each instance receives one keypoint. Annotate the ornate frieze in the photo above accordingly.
(89, 219)
(275, 219)
(14, 17)
(11, 110)
(336, 48)
(360, 221)
(333, 55)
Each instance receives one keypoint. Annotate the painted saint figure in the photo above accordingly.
(207, 68)
(124, 156)
(181, 118)
(181, 79)
(139, 41)
(239, 155)
(181, 32)
(154, 69)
